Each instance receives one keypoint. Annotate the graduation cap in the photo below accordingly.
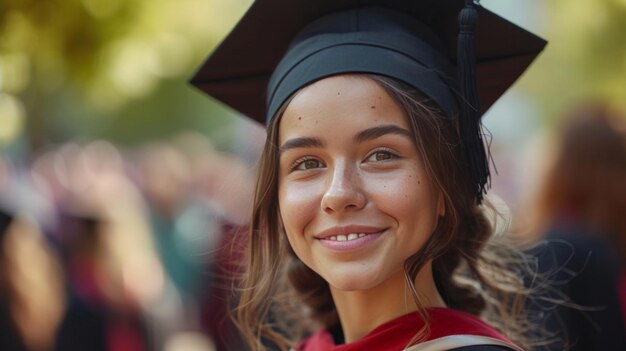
(454, 51)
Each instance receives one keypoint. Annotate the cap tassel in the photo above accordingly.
(469, 120)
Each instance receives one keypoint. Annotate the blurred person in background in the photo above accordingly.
(183, 230)
(581, 212)
(183, 227)
(31, 292)
(226, 184)
(112, 274)
(199, 202)
(89, 320)
(31, 295)
(10, 338)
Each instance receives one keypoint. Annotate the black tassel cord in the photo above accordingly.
(470, 127)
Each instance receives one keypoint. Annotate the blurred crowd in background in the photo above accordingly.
(104, 249)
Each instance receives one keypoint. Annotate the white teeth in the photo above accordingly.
(342, 237)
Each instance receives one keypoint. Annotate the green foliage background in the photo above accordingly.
(114, 69)
(117, 69)
(586, 56)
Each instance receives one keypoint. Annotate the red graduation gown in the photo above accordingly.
(446, 324)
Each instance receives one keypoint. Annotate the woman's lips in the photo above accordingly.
(348, 242)
(342, 232)
(342, 237)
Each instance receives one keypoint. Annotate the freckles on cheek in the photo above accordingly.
(398, 186)
(402, 192)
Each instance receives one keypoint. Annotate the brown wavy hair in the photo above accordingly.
(474, 270)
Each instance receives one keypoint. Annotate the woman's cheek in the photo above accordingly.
(297, 210)
(406, 196)
(395, 188)
(297, 201)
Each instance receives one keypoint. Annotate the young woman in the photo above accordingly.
(367, 229)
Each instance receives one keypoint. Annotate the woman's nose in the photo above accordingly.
(343, 192)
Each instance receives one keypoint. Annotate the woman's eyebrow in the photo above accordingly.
(300, 143)
(367, 134)
(378, 131)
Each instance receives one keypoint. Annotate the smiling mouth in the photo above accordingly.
(349, 237)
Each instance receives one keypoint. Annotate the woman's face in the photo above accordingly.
(354, 196)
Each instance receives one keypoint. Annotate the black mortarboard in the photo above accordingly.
(280, 46)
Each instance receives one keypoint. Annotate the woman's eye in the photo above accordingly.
(307, 164)
(381, 155)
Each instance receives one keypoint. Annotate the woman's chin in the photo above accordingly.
(353, 281)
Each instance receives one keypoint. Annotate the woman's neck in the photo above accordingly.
(360, 311)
